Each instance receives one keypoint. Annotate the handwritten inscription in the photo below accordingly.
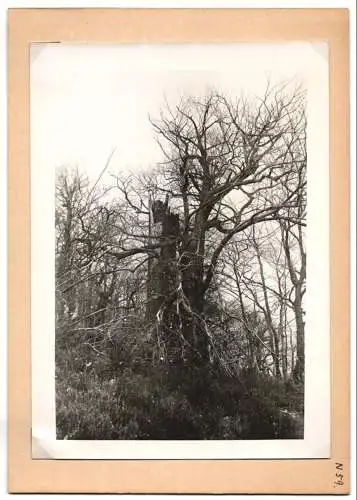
(339, 476)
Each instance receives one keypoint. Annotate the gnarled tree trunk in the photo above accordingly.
(175, 295)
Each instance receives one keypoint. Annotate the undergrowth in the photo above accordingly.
(103, 394)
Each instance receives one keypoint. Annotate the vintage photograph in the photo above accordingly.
(180, 252)
(178, 225)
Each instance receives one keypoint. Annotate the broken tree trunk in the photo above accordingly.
(162, 279)
(161, 271)
(175, 291)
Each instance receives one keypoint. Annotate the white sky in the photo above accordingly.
(88, 99)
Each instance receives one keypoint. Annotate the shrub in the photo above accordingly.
(112, 393)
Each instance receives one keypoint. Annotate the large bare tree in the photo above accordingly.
(228, 166)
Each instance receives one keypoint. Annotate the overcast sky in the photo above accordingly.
(88, 99)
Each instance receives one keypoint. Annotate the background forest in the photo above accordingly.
(179, 290)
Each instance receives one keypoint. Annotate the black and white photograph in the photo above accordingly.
(188, 274)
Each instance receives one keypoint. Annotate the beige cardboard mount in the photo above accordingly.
(161, 26)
